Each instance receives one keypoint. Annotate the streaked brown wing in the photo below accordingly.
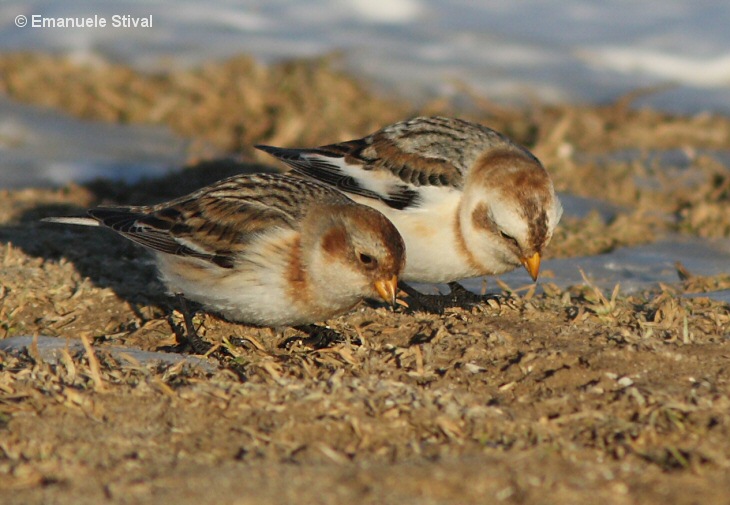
(217, 222)
(393, 163)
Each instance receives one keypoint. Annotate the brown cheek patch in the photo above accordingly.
(480, 218)
(334, 241)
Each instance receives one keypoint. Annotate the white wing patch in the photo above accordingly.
(377, 184)
(332, 169)
(82, 221)
(380, 182)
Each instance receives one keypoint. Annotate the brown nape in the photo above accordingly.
(512, 169)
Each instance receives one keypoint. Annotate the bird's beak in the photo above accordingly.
(387, 289)
(532, 265)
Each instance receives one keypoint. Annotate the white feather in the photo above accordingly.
(83, 221)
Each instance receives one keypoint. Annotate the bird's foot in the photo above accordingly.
(437, 304)
(188, 338)
(319, 337)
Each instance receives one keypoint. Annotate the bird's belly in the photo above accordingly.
(432, 254)
(254, 296)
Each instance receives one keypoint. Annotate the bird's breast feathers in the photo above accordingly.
(434, 251)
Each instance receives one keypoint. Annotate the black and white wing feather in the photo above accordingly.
(397, 163)
(215, 223)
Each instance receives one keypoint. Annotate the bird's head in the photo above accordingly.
(358, 253)
(509, 211)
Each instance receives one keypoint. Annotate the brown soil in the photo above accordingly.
(565, 397)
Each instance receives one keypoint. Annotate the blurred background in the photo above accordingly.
(551, 50)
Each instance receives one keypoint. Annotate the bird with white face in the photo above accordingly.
(270, 250)
(467, 200)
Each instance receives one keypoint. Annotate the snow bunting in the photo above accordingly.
(467, 200)
(271, 250)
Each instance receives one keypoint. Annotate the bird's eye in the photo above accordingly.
(367, 260)
(509, 238)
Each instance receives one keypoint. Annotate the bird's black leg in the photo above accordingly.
(462, 297)
(319, 337)
(417, 301)
(197, 344)
(191, 341)
(437, 304)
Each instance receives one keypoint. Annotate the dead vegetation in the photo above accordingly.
(621, 392)
(568, 396)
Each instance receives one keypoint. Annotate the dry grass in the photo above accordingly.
(607, 386)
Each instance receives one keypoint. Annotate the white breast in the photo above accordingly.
(432, 250)
(255, 291)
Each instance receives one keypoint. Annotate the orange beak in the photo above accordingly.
(387, 289)
(532, 265)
